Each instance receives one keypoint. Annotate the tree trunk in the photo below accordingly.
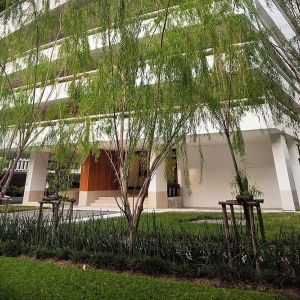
(235, 164)
(10, 171)
(135, 221)
(131, 239)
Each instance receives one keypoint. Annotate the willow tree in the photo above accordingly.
(142, 92)
(241, 76)
(163, 70)
(286, 48)
(279, 57)
(231, 82)
(63, 141)
(29, 73)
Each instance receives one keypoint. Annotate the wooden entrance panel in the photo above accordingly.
(97, 174)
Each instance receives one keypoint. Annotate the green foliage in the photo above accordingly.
(243, 188)
(164, 83)
(26, 70)
(165, 69)
(65, 159)
(17, 208)
(31, 279)
(290, 46)
(166, 244)
(7, 3)
(11, 248)
(15, 191)
(118, 262)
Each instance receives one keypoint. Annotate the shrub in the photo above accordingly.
(42, 253)
(64, 253)
(102, 243)
(14, 191)
(11, 248)
(151, 265)
(79, 256)
(109, 260)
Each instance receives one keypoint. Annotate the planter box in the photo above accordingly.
(175, 202)
(17, 200)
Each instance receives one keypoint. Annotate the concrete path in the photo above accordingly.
(162, 210)
(78, 214)
(82, 214)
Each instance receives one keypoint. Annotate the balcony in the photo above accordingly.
(22, 166)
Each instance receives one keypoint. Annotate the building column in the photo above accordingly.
(157, 191)
(36, 177)
(284, 172)
(295, 165)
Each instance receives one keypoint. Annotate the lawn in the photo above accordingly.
(28, 279)
(17, 208)
(185, 221)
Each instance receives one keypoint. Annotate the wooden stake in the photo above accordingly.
(6, 208)
(247, 219)
(261, 222)
(55, 206)
(226, 229)
(253, 239)
(40, 213)
(234, 224)
(71, 211)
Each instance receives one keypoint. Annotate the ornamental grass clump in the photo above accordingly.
(171, 250)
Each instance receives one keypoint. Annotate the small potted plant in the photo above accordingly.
(245, 193)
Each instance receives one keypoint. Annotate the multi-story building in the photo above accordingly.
(273, 156)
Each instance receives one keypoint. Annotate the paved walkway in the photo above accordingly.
(78, 214)
(161, 210)
(82, 214)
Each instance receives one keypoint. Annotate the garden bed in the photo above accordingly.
(162, 248)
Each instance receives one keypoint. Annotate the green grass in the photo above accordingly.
(17, 208)
(27, 279)
(274, 222)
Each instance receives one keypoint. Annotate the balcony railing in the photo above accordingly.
(22, 165)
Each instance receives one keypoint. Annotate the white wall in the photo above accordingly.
(218, 173)
(262, 171)
(36, 177)
(285, 176)
(295, 165)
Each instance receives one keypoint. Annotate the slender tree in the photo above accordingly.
(161, 75)
(164, 68)
(142, 92)
(29, 78)
(234, 86)
(63, 141)
(243, 76)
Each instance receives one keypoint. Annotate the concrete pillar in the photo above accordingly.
(36, 177)
(157, 192)
(284, 172)
(295, 165)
